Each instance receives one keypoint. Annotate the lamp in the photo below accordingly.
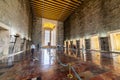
(12, 39)
(17, 35)
(23, 40)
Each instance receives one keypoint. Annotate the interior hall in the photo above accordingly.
(59, 39)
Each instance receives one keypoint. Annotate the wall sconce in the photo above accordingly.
(13, 38)
(23, 40)
(16, 36)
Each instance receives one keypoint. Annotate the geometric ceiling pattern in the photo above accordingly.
(54, 9)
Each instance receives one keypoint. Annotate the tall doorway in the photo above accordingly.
(49, 34)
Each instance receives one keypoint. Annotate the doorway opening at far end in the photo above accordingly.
(49, 34)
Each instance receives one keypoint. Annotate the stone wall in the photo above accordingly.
(38, 31)
(93, 17)
(15, 14)
(4, 42)
(60, 33)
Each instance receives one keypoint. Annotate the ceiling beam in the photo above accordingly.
(49, 9)
(52, 4)
(54, 9)
(69, 2)
(48, 6)
(50, 12)
(60, 3)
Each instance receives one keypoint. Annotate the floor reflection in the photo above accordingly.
(106, 60)
(116, 61)
(10, 60)
(48, 56)
(96, 58)
(88, 56)
(91, 65)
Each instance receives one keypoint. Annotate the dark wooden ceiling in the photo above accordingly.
(54, 9)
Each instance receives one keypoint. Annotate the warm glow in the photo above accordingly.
(74, 42)
(69, 44)
(116, 61)
(95, 43)
(115, 41)
(96, 58)
(48, 25)
(82, 42)
(69, 47)
(53, 37)
(47, 37)
(64, 43)
(50, 37)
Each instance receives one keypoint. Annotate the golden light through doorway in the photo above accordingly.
(49, 25)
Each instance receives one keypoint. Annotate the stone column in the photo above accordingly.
(60, 33)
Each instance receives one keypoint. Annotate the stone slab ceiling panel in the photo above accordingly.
(54, 9)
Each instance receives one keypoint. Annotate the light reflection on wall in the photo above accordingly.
(69, 47)
(64, 43)
(74, 42)
(82, 42)
(95, 43)
(14, 31)
(65, 46)
(115, 41)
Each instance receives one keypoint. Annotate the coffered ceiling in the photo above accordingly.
(54, 9)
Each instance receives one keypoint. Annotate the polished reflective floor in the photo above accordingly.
(46, 65)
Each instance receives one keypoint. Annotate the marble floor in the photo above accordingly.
(53, 64)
